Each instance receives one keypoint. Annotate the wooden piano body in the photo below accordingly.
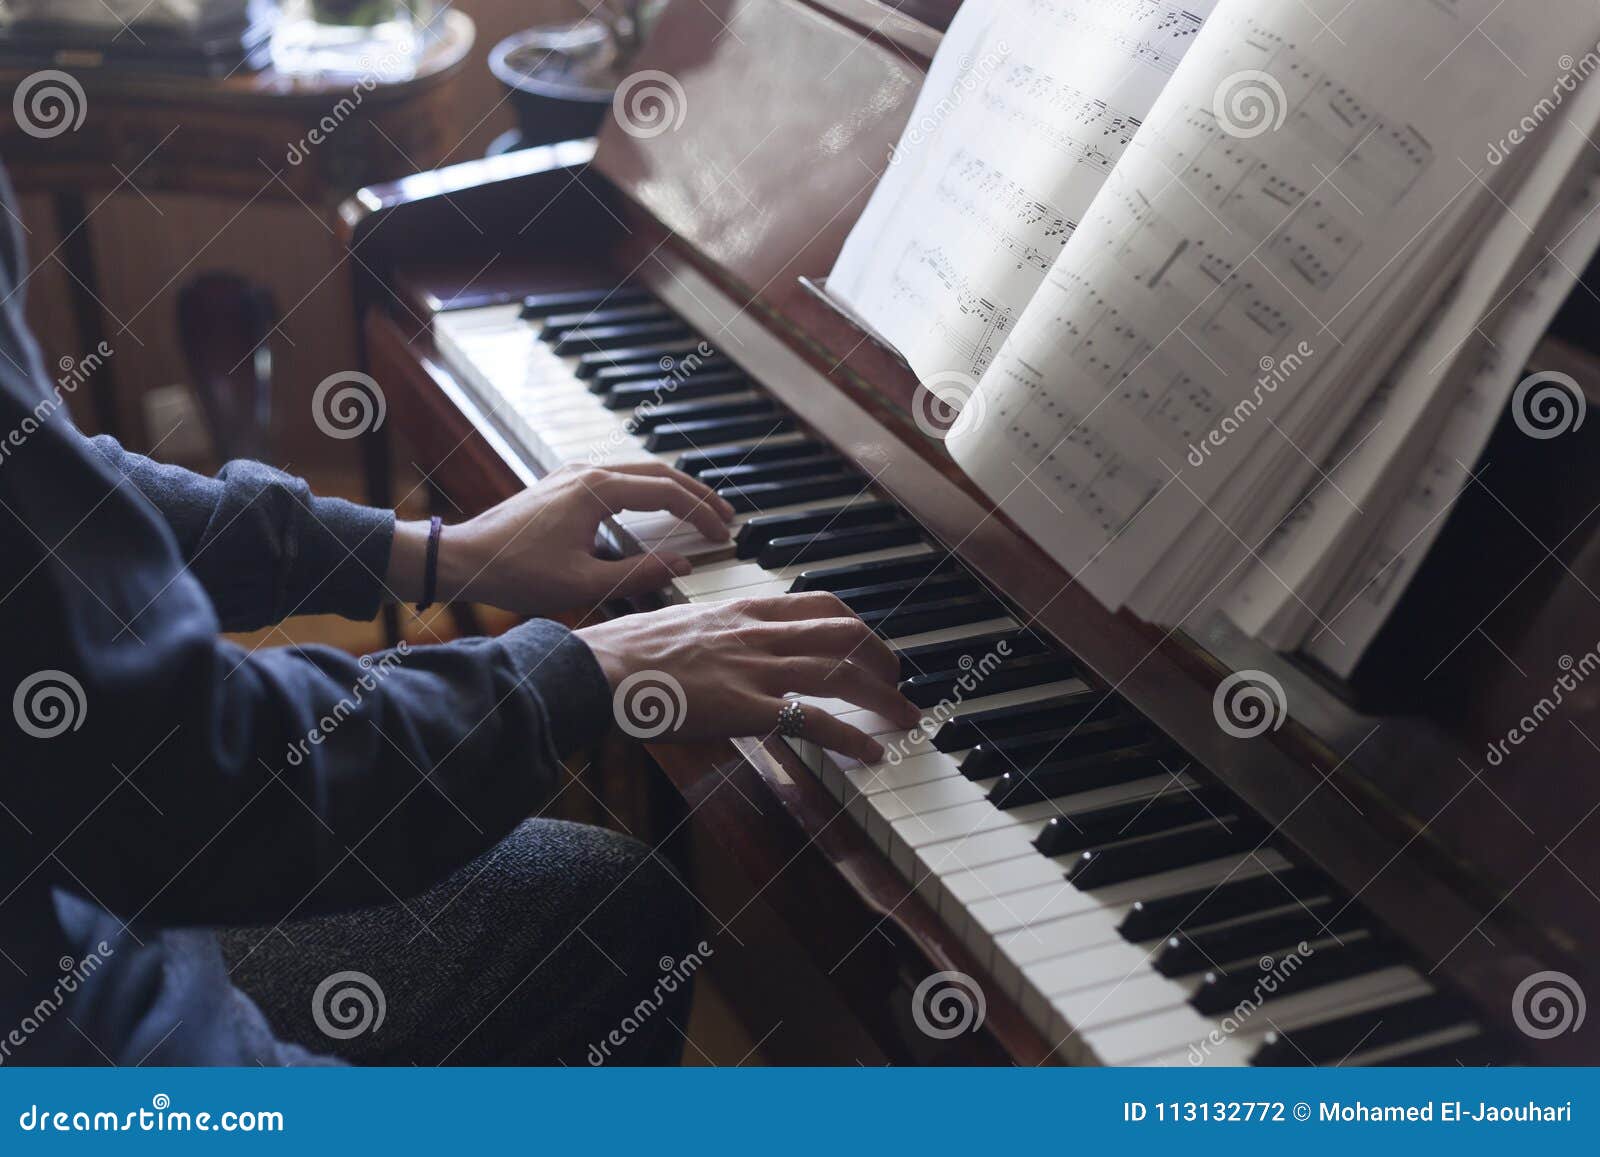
(1490, 874)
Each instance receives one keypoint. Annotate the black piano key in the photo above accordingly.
(756, 533)
(836, 543)
(969, 728)
(1070, 776)
(1177, 808)
(1150, 919)
(556, 324)
(1199, 950)
(619, 337)
(652, 373)
(916, 618)
(875, 596)
(1473, 1051)
(1220, 993)
(672, 413)
(681, 435)
(928, 658)
(658, 391)
(754, 472)
(1006, 675)
(750, 452)
(1120, 862)
(995, 757)
(1333, 1041)
(565, 301)
(789, 491)
(883, 570)
(643, 356)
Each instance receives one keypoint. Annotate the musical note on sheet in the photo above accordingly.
(1027, 108)
(1019, 223)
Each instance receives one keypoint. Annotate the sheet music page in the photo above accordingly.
(1286, 177)
(1363, 602)
(1277, 599)
(1028, 106)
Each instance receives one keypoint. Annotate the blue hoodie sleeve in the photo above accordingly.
(176, 778)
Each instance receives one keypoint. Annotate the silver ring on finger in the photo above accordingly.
(792, 719)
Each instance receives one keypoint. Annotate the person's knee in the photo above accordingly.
(641, 904)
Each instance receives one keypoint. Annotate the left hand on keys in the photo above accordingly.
(535, 552)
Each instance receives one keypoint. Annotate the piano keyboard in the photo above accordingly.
(1134, 910)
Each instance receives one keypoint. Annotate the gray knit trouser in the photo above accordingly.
(550, 948)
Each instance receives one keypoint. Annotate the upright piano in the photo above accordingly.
(1077, 864)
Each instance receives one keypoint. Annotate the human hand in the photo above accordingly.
(721, 670)
(535, 552)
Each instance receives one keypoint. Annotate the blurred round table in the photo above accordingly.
(247, 136)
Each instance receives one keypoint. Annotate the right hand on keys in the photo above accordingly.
(721, 670)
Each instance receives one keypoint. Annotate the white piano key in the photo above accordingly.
(1166, 1037)
(955, 634)
(735, 575)
(897, 776)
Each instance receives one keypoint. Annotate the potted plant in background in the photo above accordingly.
(359, 37)
(562, 76)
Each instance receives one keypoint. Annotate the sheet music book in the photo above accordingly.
(1230, 294)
